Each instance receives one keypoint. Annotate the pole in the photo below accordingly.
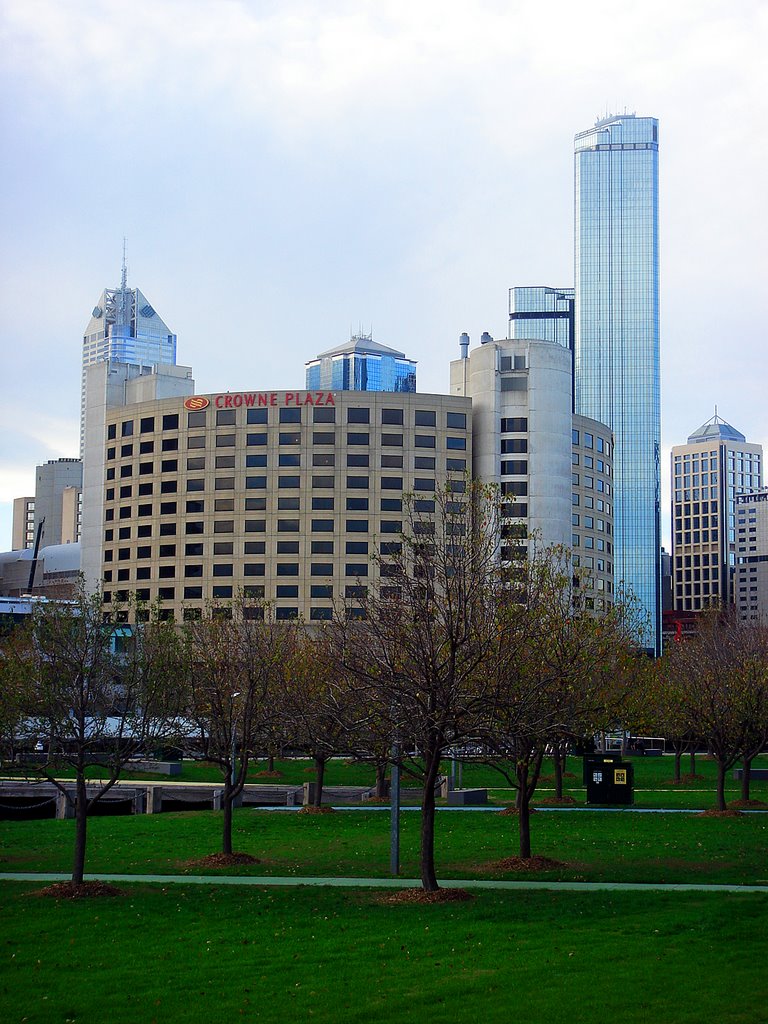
(394, 795)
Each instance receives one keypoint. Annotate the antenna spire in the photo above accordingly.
(124, 275)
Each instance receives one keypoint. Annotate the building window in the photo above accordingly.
(290, 415)
(257, 416)
(225, 418)
(425, 418)
(196, 419)
(456, 420)
(323, 415)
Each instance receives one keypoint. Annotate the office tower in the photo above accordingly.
(546, 313)
(750, 582)
(554, 469)
(617, 334)
(23, 530)
(361, 365)
(708, 473)
(124, 328)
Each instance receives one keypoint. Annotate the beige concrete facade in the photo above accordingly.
(555, 468)
(283, 496)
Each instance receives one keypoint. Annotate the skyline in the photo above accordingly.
(283, 175)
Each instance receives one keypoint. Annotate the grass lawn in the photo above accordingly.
(213, 955)
(593, 846)
(653, 786)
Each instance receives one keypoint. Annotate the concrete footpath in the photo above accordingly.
(378, 883)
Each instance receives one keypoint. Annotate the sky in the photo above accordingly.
(287, 173)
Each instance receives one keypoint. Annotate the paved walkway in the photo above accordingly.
(379, 883)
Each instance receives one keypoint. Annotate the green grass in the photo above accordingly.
(205, 956)
(593, 846)
(652, 778)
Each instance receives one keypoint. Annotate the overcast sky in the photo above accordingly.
(285, 172)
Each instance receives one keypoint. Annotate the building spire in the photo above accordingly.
(123, 316)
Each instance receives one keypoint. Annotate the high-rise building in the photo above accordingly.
(124, 328)
(58, 496)
(708, 473)
(361, 364)
(750, 580)
(617, 378)
(554, 469)
(546, 313)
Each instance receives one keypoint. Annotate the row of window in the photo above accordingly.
(325, 414)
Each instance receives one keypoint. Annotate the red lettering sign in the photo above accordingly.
(262, 398)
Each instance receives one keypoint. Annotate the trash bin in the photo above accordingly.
(610, 781)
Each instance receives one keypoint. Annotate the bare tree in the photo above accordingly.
(99, 694)
(719, 677)
(568, 672)
(425, 648)
(236, 656)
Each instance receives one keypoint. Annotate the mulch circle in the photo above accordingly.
(526, 864)
(269, 775)
(222, 860)
(714, 813)
(84, 891)
(311, 809)
(554, 801)
(748, 805)
(422, 896)
(513, 812)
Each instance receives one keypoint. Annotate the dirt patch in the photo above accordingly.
(513, 812)
(685, 780)
(222, 860)
(554, 801)
(748, 805)
(525, 864)
(311, 809)
(84, 891)
(422, 896)
(714, 813)
(377, 800)
(268, 775)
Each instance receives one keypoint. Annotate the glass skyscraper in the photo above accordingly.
(617, 334)
(124, 328)
(361, 365)
(543, 313)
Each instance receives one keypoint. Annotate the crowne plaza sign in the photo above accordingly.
(254, 399)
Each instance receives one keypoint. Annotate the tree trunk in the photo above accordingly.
(721, 805)
(559, 759)
(227, 800)
(81, 828)
(746, 777)
(693, 762)
(428, 876)
(271, 763)
(381, 780)
(678, 761)
(524, 811)
(319, 776)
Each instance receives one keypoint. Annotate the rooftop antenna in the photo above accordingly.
(122, 317)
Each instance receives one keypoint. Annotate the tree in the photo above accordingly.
(424, 647)
(235, 656)
(568, 672)
(719, 677)
(317, 704)
(98, 693)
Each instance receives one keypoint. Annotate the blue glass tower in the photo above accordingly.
(617, 334)
(124, 328)
(361, 365)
